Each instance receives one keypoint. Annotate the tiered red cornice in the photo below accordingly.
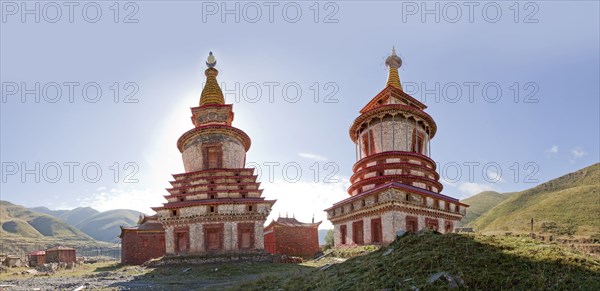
(220, 186)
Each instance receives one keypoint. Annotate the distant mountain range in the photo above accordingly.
(82, 223)
(570, 201)
(19, 221)
(102, 226)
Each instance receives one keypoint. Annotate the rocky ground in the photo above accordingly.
(110, 276)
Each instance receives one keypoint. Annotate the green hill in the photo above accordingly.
(18, 221)
(104, 226)
(569, 204)
(475, 262)
(481, 203)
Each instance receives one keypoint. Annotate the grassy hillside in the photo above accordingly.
(18, 221)
(104, 226)
(473, 262)
(481, 203)
(19, 227)
(571, 201)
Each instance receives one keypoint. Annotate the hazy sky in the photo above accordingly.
(514, 89)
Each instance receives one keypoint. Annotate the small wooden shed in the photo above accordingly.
(60, 254)
(36, 258)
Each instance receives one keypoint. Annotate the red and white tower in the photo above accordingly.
(395, 184)
(216, 205)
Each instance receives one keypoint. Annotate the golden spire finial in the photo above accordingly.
(393, 62)
(211, 93)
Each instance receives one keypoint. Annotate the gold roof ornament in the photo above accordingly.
(211, 93)
(393, 62)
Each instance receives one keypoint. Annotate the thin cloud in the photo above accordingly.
(552, 151)
(577, 153)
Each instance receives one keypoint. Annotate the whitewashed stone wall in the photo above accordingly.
(349, 235)
(367, 229)
(194, 210)
(337, 235)
(421, 221)
(394, 138)
(233, 155)
(169, 240)
(441, 225)
(259, 240)
(264, 208)
(391, 222)
(196, 238)
(429, 201)
(230, 236)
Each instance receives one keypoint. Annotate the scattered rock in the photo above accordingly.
(452, 281)
(325, 267)
(48, 268)
(435, 277)
(318, 255)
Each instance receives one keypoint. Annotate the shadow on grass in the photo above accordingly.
(481, 262)
(213, 276)
(108, 268)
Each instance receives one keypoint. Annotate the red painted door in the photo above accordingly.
(182, 242)
(411, 224)
(357, 233)
(213, 239)
(246, 239)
